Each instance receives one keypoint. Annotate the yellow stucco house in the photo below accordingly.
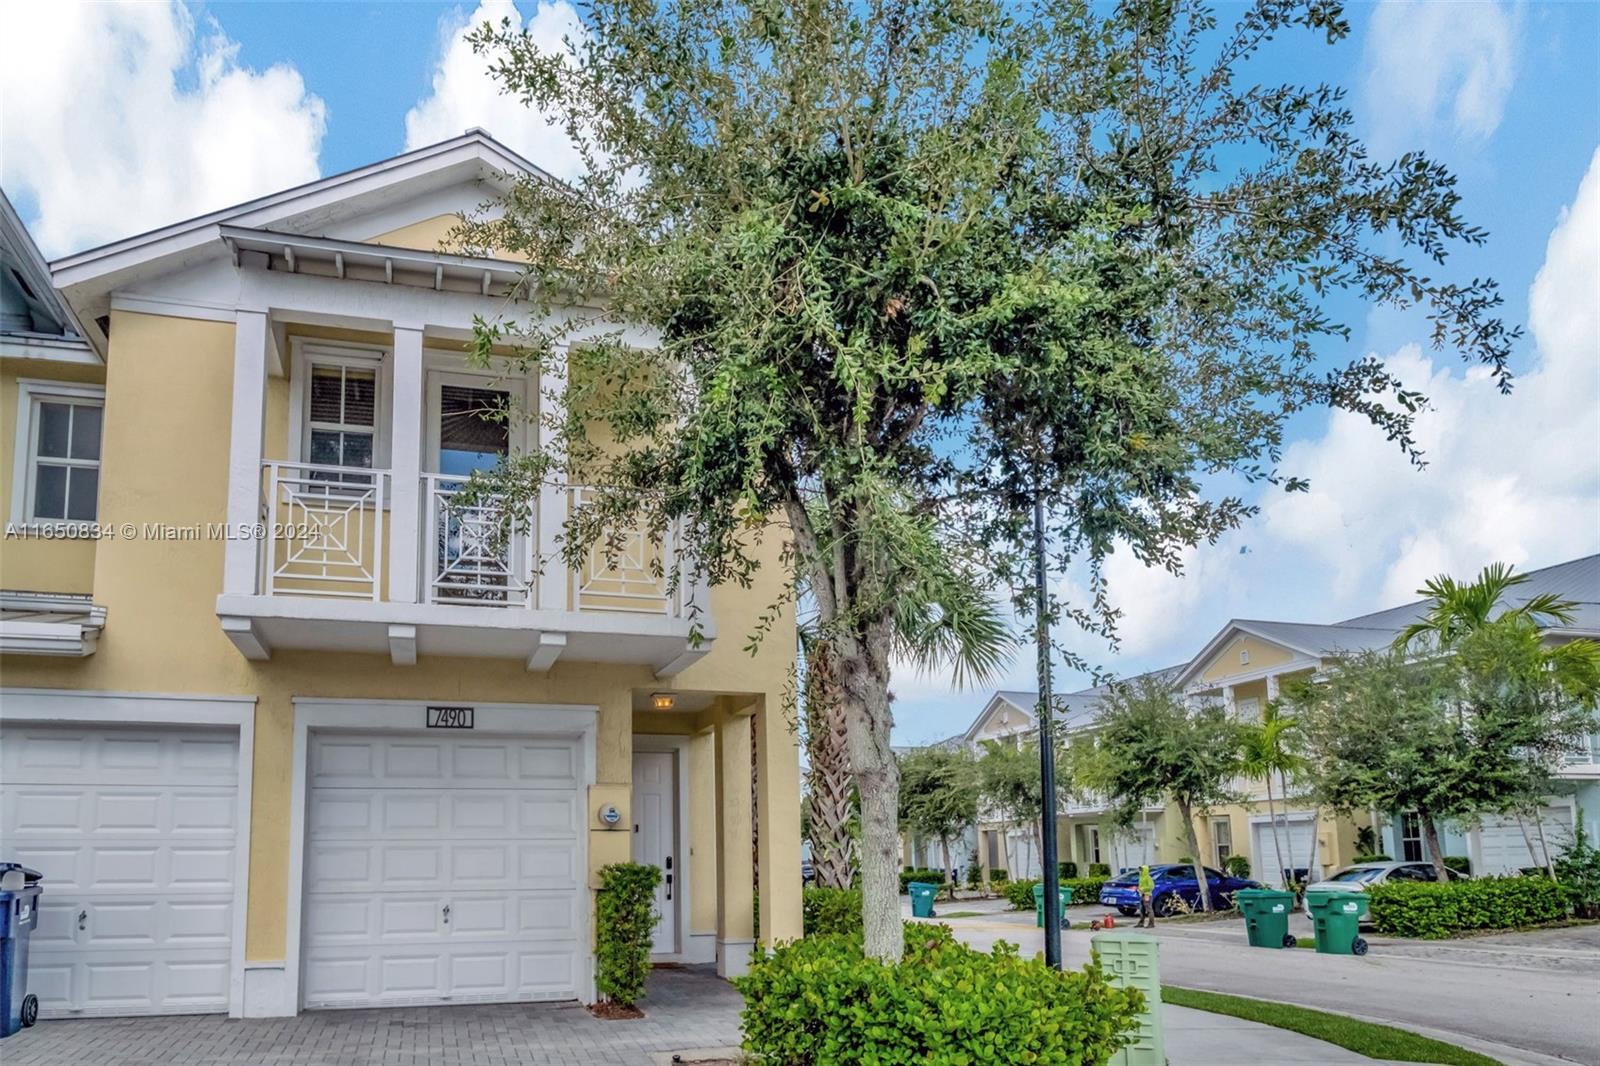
(1244, 666)
(281, 724)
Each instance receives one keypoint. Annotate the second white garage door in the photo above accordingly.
(1506, 845)
(442, 870)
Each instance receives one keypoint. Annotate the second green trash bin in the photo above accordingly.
(1336, 919)
(922, 895)
(1266, 916)
(1038, 905)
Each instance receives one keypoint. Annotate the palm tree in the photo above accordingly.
(1268, 750)
(828, 783)
(1457, 608)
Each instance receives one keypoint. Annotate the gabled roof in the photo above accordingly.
(1577, 580)
(87, 278)
(49, 321)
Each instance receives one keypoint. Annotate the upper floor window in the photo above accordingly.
(57, 473)
(338, 414)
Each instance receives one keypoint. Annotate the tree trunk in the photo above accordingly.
(1038, 845)
(1430, 835)
(1288, 836)
(1277, 841)
(1316, 841)
(828, 770)
(1187, 813)
(1544, 845)
(949, 874)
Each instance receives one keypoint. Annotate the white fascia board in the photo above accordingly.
(473, 155)
(48, 348)
(71, 639)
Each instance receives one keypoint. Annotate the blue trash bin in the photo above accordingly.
(922, 894)
(19, 916)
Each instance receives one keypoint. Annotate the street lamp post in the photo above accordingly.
(1047, 753)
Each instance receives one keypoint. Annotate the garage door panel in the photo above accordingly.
(134, 832)
(1506, 845)
(401, 828)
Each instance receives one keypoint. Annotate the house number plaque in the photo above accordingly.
(449, 717)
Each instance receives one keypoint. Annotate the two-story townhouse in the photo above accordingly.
(1244, 665)
(284, 725)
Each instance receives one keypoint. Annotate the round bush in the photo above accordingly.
(821, 1002)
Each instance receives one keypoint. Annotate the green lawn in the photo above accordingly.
(960, 914)
(1364, 1038)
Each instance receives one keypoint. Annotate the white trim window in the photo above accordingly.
(56, 476)
(1222, 840)
(340, 417)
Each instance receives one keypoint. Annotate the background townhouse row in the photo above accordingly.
(1243, 666)
(282, 723)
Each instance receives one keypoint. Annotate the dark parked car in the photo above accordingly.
(1173, 883)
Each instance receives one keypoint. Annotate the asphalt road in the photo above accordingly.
(1532, 997)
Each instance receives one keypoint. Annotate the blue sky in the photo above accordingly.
(118, 118)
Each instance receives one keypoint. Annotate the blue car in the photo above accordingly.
(1173, 883)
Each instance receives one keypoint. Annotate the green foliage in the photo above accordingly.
(1099, 869)
(1020, 894)
(1084, 889)
(821, 1001)
(1457, 608)
(625, 919)
(831, 910)
(1434, 910)
(1374, 857)
(998, 875)
(931, 877)
(938, 792)
(1069, 870)
(1578, 870)
(1461, 864)
(1237, 866)
(1008, 780)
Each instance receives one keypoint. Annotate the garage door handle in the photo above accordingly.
(669, 886)
(83, 920)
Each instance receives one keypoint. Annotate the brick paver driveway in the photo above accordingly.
(685, 1008)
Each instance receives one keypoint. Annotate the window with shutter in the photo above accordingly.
(341, 416)
(59, 440)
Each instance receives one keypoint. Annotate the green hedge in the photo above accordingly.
(819, 1001)
(1020, 894)
(908, 875)
(1431, 910)
(1376, 856)
(1459, 863)
(1084, 890)
(831, 910)
(1099, 869)
(1237, 866)
(625, 920)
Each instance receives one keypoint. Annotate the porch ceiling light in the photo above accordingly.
(662, 701)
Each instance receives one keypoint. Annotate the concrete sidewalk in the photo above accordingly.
(1200, 1038)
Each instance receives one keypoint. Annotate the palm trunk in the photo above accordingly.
(1430, 834)
(1194, 849)
(1288, 835)
(828, 770)
(1277, 841)
(1316, 841)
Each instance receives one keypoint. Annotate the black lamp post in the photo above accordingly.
(1047, 751)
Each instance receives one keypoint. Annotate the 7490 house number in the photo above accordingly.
(449, 717)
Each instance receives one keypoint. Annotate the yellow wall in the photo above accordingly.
(165, 460)
(36, 564)
(427, 235)
(1225, 663)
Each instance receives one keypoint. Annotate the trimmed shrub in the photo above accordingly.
(930, 877)
(1084, 889)
(1099, 869)
(1374, 857)
(1068, 870)
(625, 921)
(1237, 866)
(1020, 894)
(1432, 910)
(820, 1000)
(831, 910)
(998, 875)
(1459, 863)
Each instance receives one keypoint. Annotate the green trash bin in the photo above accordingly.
(1266, 916)
(922, 895)
(1038, 905)
(1336, 919)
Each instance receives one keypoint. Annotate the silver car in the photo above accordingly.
(1363, 875)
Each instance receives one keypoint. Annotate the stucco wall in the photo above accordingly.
(1225, 663)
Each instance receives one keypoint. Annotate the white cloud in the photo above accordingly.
(1433, 64)
(465, 94)
(122, 117)
(1513, 478)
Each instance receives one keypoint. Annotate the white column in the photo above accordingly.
(550, 510)
(240, 557)
(405, 513)
(1229, 702)
(1272, 687)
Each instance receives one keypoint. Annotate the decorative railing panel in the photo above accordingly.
(473, 558)
(323, 528)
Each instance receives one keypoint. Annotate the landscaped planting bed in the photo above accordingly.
(1433, 911)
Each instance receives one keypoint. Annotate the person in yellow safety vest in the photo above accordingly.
(1147, 888)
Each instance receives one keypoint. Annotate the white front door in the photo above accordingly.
(134, 832)
(655, 822)
(442, 870)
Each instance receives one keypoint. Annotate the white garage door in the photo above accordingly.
(1503, 849)
(1294, 838)
(133, 830)
(442, 870)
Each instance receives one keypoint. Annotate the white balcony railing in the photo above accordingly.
(627, 572)
(472, 558)
(325, 530)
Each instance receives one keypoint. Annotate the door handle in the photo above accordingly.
(447, 914)
(669, 886)
(83, 920)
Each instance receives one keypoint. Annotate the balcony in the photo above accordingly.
(337, 546)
